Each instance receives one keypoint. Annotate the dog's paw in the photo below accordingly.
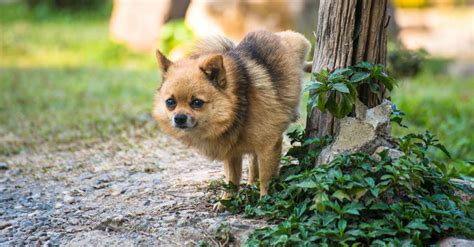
(218, 207)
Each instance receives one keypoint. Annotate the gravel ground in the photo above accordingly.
(152, 192)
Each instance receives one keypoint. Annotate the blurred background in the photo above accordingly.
(75, 73)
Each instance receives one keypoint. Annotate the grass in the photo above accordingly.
(63, 82)
(443, 104)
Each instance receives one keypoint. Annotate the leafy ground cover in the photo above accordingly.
(358, 199)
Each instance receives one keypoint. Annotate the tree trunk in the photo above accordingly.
(348, 32)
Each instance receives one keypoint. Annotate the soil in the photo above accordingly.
(148, 192)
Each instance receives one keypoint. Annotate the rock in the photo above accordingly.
(74, 221)
(392, 153)
(36, 196)
(456, 242)
(6, 224)
(4, 166)
(58, 205)
(13, 172)
(366, 132)
(69, 199)
(117, 190)
(169, 218)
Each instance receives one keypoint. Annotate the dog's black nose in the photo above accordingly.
(180, 119)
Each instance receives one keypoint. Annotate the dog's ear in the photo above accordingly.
(163, 62)
(213, 68)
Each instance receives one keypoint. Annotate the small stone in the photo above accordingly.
(102, 179)
(13, 172)
(448, 242)
(169, 218)
(4, 166)
(117, 190)
(58, 205)
(6, 224)
(36, 196)
(118, 219)
(74, 221)
(69, 199)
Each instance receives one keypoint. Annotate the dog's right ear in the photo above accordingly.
(163, 62)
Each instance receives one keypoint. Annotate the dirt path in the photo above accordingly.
(152, 192)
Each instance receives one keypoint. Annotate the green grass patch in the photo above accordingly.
(64, 83)
(443, 104)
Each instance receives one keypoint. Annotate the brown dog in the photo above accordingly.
(228, 101)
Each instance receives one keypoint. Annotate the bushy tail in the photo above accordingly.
(213, 44)
(297, 42)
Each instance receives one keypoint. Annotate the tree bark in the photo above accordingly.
(348, 32)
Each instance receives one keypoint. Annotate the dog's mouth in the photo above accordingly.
(186, 126)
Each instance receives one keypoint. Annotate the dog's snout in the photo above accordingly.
(180, 119)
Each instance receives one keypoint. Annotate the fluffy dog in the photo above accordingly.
(228, 101)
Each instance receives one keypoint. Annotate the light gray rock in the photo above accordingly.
(456, 242)
(4, 166)
(366, 132)
(392, 153)
(69, 199)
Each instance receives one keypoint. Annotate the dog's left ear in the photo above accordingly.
(163, 62)
(213, 68)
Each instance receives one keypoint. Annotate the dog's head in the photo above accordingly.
(194, 96)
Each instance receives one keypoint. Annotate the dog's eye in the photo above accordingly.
(170, 103)
(197, 103)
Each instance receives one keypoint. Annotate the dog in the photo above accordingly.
(230, 100)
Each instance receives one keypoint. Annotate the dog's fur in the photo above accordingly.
(251, 93)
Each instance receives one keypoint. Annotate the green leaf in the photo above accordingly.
(322, 76)
(328, 218)
(364, 65)
(353, 208)
(341, 87)
(355, 233)
(322, 102)
(417, 224)
(370, 181)
(379, 206)
(374, 88)
(341, 225)
(341, 195)
(339, 109)
(359, 192)
(336, 77)
(307, 184)
(319, 199)
(443, 148)
(359, 76)
(313, 85)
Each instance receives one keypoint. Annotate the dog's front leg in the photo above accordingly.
(233, 174)
(268, 164)
(253, 170)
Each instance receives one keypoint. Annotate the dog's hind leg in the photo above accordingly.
(268, 164)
